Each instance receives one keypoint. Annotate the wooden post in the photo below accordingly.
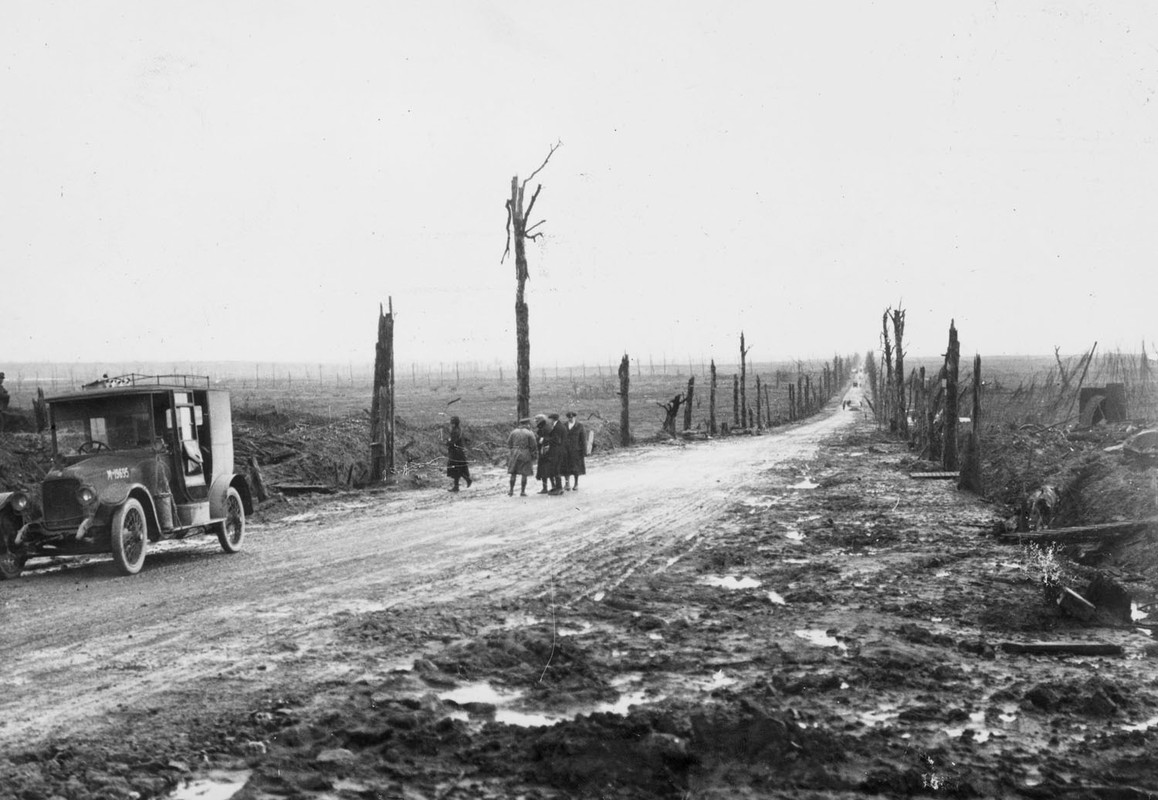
(382, 401)
(791, 403)
(712, 401)
(800, 398)
(624, 385)
(688, 403)
(949, 458)
(767, 406)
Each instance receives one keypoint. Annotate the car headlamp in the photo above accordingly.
(18, 501)
(85, 495)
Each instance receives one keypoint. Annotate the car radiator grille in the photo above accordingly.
(61, 508)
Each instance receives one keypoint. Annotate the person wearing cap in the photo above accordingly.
(576, 460)
(522, 446)
(456, 467)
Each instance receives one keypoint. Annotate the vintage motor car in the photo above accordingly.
(136, 459)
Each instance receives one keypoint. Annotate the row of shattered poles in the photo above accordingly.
(940, 411)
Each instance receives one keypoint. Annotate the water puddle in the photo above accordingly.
(981, 732)
(794, 535)
(881, 715)
(718, 681)
(776, 599)
(586, 627)
(217, 785)
(731, 582)
(805, 483)
(502, 700)
(819, 638)
(1145, 725)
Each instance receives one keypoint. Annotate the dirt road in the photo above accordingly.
(786, 615)
(81, 640)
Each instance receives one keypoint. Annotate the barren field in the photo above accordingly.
(787, 615)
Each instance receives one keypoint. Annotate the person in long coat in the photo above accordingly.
(543, 470)
(556, 451)
(576, 452)
(522, 448)
(456, 467)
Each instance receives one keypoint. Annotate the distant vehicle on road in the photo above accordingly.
(136, 459)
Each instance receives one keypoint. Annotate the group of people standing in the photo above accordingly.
(553, 451)
(545, 447)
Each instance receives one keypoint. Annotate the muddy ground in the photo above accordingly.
(816, 625)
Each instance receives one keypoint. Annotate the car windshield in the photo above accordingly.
(109, 423)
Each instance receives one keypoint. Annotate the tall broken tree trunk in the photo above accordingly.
(887, 373)
(735, 401)
(688, 403)
(518, 230)
(900, 413)
(759, 406)
(970, 478)
(743, 382)
(624, 385)
(522, 312)
(712, 401)
(382, 402)
(949, 458)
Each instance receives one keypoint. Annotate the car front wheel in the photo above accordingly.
(232, 529)
(129, 537)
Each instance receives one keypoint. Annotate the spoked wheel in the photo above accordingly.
(11, 560)
(232, 529)
(130, 536)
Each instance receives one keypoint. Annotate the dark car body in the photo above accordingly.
(136, 459)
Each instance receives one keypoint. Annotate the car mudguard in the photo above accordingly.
(220, 488)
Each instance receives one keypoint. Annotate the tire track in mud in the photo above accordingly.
(81, 642)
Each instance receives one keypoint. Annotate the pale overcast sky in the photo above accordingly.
(248, 180)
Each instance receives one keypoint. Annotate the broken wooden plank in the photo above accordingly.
(1084, 533)
(935, 475)
(1063, 648)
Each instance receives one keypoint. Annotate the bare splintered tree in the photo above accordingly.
(744, 421)
(518, 230)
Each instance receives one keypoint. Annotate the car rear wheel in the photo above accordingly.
(11, 563)
(232, 529)
(129, 537)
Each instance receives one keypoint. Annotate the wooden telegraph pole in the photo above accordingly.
(517, 229)
(382, 402)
